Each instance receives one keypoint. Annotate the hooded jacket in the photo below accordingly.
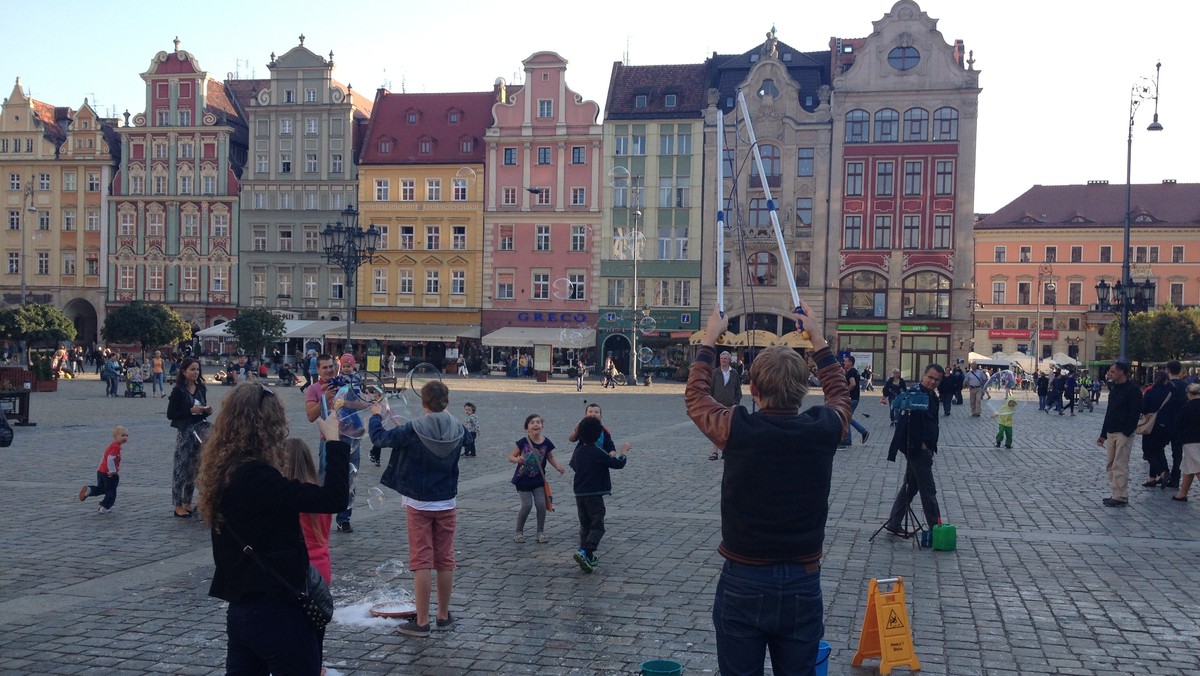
(425, 452)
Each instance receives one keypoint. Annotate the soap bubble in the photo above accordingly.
(389, 570)
(466, 174)
(421, 374)
(647, 325)
(395, 410)
(645, 355)
(998, 392)
(561, 288)
(346, 406)
(572, 338)
(375, 497)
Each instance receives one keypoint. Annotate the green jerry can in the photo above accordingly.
(945, 537)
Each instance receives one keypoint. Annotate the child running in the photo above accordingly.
(1005, 417)
(592, 483)
(530, 455)
(108, 473)
(471, 422)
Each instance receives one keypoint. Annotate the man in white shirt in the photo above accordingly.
(976, 379)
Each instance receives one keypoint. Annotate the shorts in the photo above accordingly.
(431, 539)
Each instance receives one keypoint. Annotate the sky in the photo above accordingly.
(1056, 75)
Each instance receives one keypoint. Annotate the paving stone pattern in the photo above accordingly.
(1045, 580)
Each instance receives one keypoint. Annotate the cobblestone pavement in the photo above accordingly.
(1045, 580)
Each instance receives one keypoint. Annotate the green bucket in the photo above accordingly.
(661, 668)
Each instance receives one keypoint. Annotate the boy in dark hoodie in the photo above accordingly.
(424, 469)
(592, 483)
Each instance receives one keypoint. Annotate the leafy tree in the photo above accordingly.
(147, 324)
(37, 325)
(256, 329)
(1160, 335)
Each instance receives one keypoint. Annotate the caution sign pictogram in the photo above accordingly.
(886, 633)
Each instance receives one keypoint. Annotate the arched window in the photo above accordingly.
(945, 124)
(916, 124)
(857, 122)
(926, 294)
(762, 269)
(863, 294)
(887, 126)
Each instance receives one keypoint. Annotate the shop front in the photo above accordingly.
(509, 338)
(662, 337)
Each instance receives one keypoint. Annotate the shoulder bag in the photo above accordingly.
(1147, 420)
(316, 600)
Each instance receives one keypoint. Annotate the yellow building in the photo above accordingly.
(56, 165)
(421, 184)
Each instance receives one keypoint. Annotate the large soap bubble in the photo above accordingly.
(999, 392)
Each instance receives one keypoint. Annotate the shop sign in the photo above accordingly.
(552, 317)
(924, 328)
(862, 327)
(1010, 333)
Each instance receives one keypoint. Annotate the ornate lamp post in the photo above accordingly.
(1142, 89)
(348, 247)
(1123, 298)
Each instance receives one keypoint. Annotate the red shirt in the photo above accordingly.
(110, 462)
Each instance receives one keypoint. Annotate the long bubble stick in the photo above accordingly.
(720, 212)
(773, 209)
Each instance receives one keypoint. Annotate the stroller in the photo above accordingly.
(134, 383)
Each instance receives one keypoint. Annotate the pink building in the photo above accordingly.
(542, 209)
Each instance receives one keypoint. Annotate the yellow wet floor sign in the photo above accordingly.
(886, 633)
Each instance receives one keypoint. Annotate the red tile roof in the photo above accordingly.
(1098, 205)
(244, 91)
(390, 120)
(49, 116)
(219, 100)
(686, 81)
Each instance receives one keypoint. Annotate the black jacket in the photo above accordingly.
(1187, 423)
(179, 406)
(591, 465)
(916, 428)
(263, 509)
(891, 388)
(1124, 407)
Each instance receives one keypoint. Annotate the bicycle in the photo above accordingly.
(615, 378)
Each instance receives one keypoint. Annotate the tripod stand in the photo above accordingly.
(910, 527)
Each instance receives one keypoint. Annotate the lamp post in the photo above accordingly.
(349, 246)
(1123, 298)
(27, 202)
(1045, 283)
(621, 180)
(1142, 89)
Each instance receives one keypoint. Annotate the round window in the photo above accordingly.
(904, 58)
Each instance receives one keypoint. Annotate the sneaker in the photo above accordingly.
(411, 628)
(585, 563)
(444, 624)
(1113, 502)
(344, 527)
(865, 435)
(518, 537)
(997, 444)
(842, 447)
(104, 510)
(83, 493)
(542, 538)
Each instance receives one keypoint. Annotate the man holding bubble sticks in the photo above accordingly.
(774, 499)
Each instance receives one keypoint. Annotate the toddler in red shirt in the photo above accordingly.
(108, 473)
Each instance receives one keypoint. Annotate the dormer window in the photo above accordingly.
(385, 146)
(426, 147)
(670, 100)
(467, 145)
(412, 118)
(454, 116)
(640, 101)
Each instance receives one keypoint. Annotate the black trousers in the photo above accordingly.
(107, 486)
(1176, 458)
(591, 521)
(918, 478)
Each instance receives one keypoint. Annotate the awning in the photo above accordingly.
(416, 333)
(727, 339)
(293, 328)
(520, 336)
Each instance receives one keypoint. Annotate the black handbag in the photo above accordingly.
(316, 600)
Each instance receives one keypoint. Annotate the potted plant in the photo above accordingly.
(43, 375)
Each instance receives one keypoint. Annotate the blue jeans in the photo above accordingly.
(853, 423)
(777, 606)
(270, 636)
(1042, 402)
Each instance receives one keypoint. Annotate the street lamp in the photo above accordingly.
(1123, 298)
(621, 180)
(1045, 283)
(1142, 89)
(349, 246)
(27, 201)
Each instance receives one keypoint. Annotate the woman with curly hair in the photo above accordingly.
(248, 502)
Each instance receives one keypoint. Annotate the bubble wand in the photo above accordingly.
(774, 211)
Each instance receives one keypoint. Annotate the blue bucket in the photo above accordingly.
(823, 651)
(661, 668)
